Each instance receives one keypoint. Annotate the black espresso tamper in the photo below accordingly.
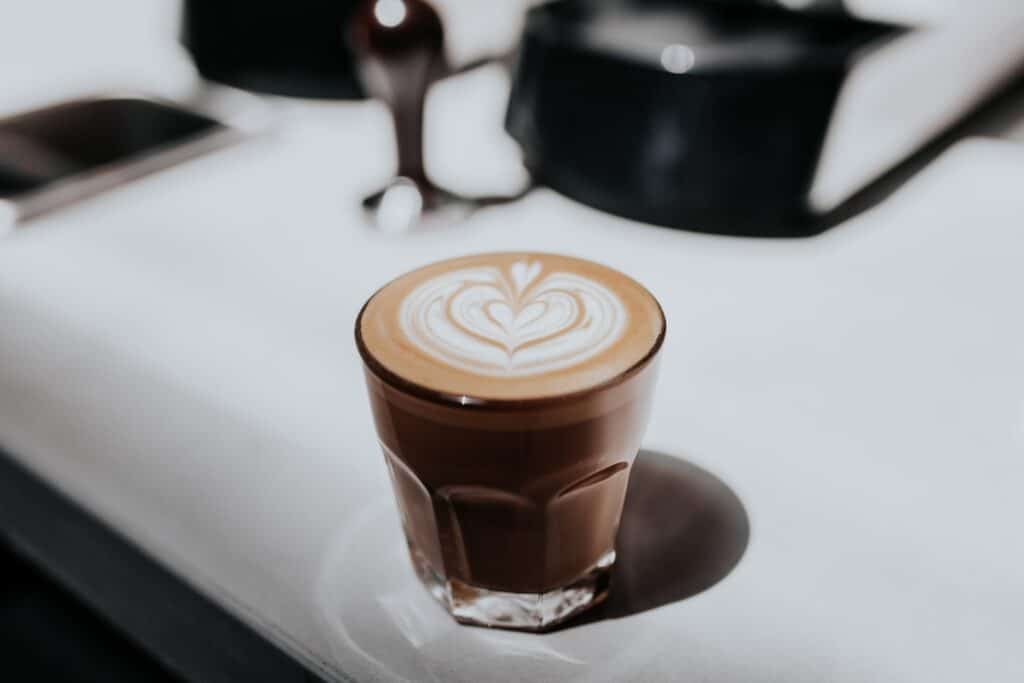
(400, 51)
(399, 47)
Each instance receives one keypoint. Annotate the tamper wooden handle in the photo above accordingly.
(400, 47)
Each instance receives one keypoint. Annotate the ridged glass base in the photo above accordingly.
(517, 611)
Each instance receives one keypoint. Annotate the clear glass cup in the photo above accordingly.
(510, 507)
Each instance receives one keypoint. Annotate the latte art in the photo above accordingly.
(509, 326)
(512, 322)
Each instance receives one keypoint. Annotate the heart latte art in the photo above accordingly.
(510, 323)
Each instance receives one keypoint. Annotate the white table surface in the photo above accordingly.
(177, 356)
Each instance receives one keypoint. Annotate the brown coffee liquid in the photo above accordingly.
(516, 501)
(510, 393)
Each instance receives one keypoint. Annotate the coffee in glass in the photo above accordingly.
(510, 392)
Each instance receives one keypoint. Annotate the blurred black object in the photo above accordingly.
(98, 601)
(46, 635)
(693, 114)
(65, 152)
(52, 144)
(296, 48)
(400, 49)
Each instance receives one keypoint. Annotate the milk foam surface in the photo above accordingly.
(512, 322)
(511, 325)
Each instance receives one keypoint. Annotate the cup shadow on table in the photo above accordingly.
(682, 531)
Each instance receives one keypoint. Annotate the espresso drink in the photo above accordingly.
(510, 393)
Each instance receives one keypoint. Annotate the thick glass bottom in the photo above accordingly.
(517, 611)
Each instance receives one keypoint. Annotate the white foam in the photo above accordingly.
(515, 323)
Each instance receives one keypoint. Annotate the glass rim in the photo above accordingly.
(469, 402)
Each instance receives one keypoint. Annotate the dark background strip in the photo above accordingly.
(78, 602)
